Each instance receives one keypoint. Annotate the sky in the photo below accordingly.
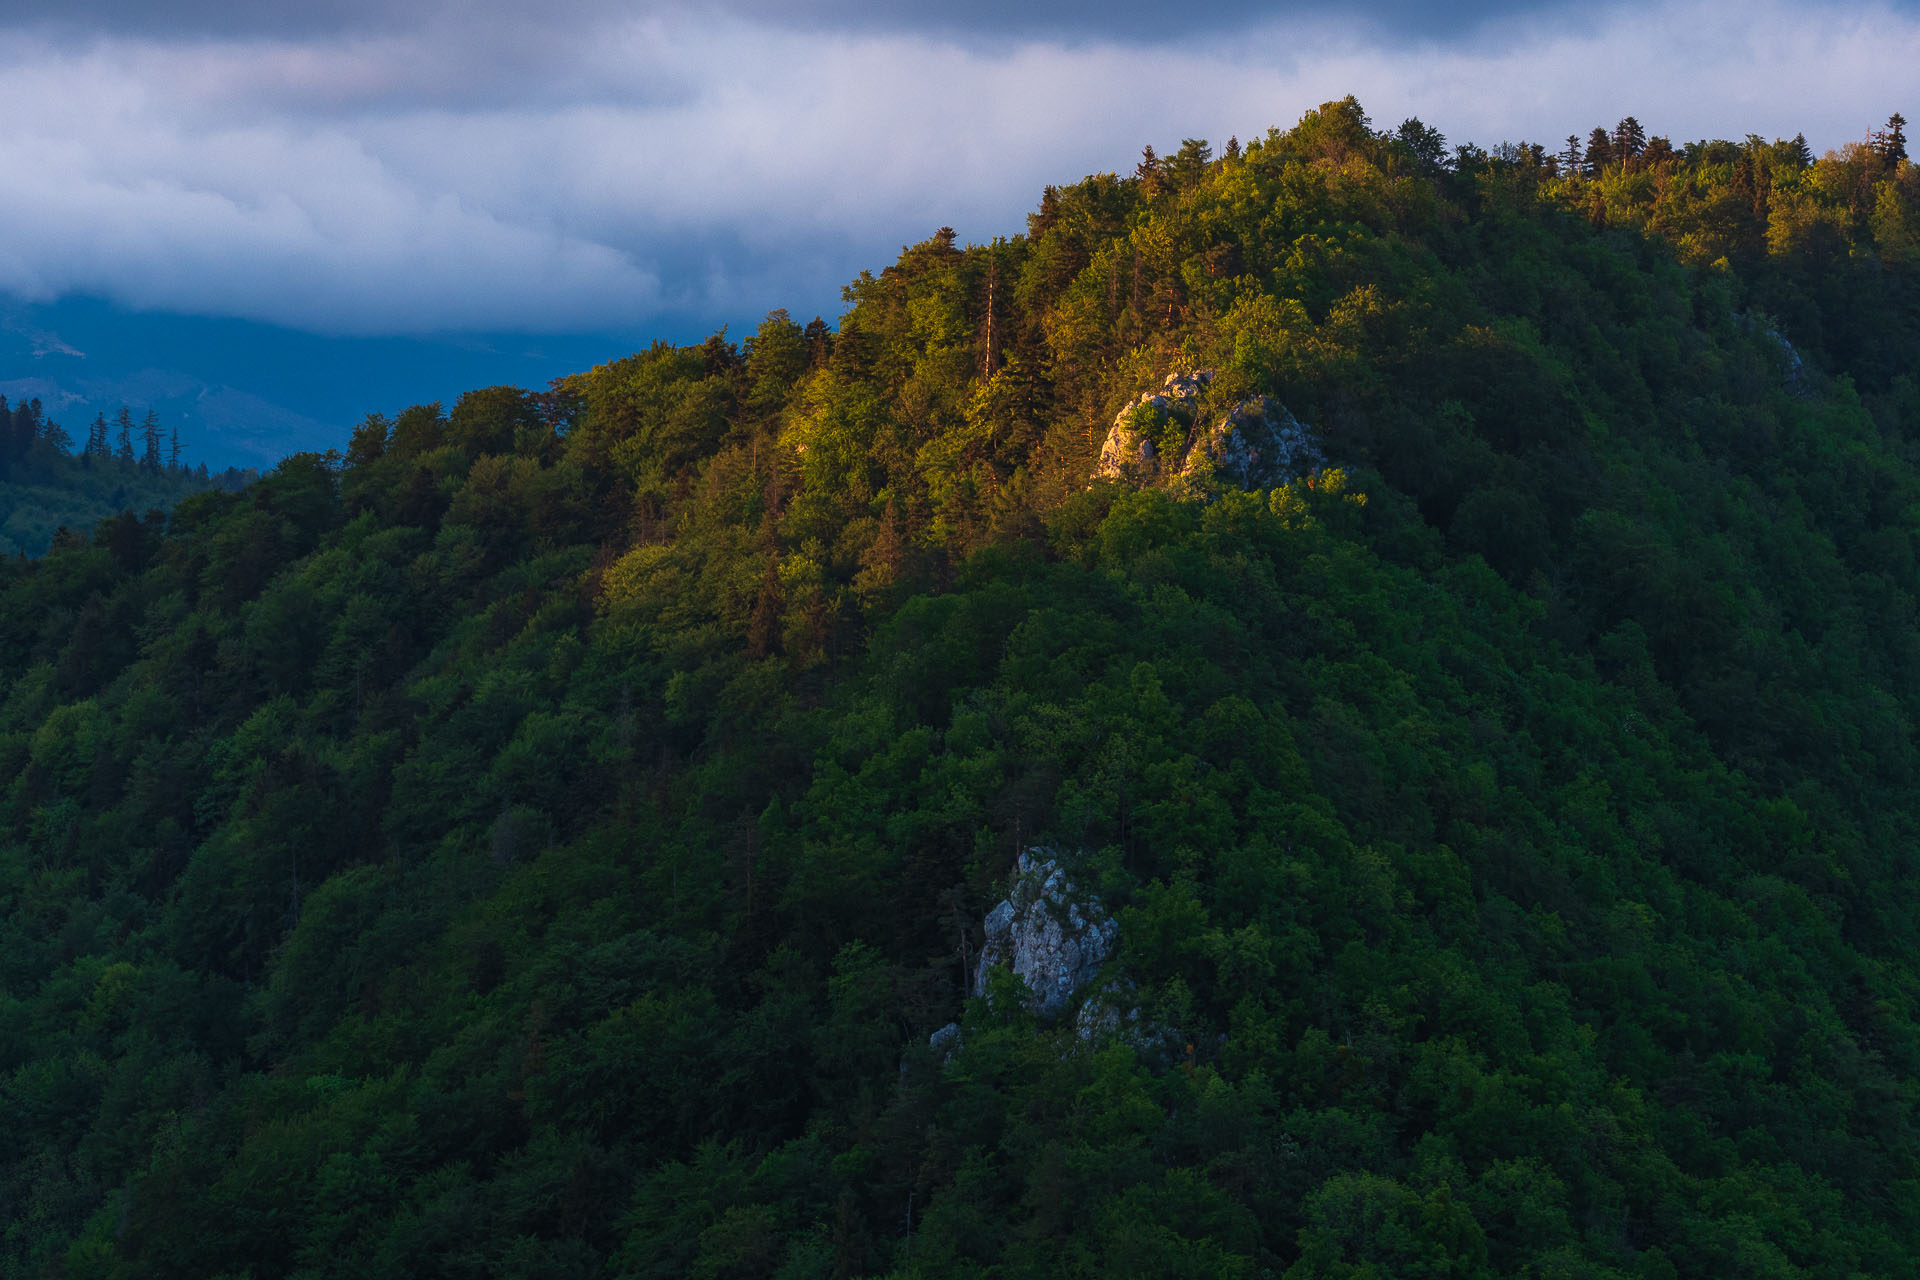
(273, 218)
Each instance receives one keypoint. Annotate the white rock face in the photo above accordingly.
(1047, 931)
(1256, 444)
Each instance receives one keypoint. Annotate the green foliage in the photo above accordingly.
(543, 841)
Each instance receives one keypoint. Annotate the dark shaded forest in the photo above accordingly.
(539, 840)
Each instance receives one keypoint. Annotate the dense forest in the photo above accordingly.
(47, 490)
(541, 839)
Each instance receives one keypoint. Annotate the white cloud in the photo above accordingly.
(521, 177)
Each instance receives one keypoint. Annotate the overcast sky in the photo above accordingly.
(351, 167)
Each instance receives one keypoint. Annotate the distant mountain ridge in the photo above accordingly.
(246, 394)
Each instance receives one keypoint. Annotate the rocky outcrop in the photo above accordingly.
(1129, 452)
(1255, 444)
(1048, 931)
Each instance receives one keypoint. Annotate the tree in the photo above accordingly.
(1629, 140)
(27, 425)
(1890, 143)
(1599, 152)
(990, 336)
(819, 342)
(1147, 172)
(123, 452)
(1186, 167)
(150, 442)
(1427, 145)
(95, 449)
(1573, 157)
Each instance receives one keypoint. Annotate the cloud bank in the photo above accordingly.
(325, 169)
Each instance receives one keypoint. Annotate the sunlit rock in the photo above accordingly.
(1160, 436)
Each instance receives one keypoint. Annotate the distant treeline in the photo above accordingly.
(46, 487)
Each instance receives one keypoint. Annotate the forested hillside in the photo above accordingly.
(45, 487)
(541, 840)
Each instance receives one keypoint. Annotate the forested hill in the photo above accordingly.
(46, 487)
(542, 841)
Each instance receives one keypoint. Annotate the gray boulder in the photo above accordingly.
(1047, 930)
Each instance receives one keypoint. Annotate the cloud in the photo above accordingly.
(993, 21)
(622, 171)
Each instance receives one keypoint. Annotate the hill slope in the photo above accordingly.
(544, 844)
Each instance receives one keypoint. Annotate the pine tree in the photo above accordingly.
(173, 449)
(1573, 157)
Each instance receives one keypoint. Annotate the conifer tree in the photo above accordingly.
(96, 446)
(1890, 143)
(1147, 172)
(1629, 140)
(1599, 152)
(150, 441)
(819, 342)
(123, 451)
